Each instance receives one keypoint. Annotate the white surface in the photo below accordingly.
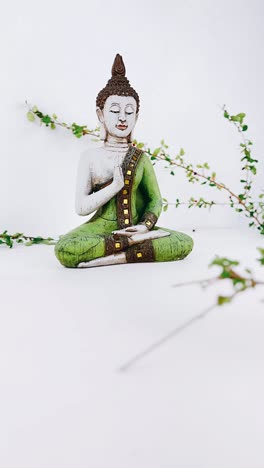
(184, 58)
(196, 403)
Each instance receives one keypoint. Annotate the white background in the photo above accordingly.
(198, 402)
(185, 59)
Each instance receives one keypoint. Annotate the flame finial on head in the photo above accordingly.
(118, 67)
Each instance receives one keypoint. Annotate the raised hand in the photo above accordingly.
(118, 178)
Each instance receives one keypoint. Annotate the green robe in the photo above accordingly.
(138, 202)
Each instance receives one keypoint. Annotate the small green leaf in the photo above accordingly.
(156, 151)
(253, 169)
(37, 240)
(238, 118)
(221, 300)
(30, 116)
(225, 274)
(9, 241)
(46, 119)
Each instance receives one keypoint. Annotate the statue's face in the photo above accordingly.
(119, 115)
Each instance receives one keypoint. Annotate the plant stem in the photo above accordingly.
(164, 340)
(218, 184)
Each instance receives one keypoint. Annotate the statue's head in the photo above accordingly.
(117, 104)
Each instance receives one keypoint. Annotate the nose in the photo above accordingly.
(122, 117)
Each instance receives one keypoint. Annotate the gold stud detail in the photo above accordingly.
(117, 245)
(127, 181)
(139, 254)
(148, 223)
(126, 221)
(129, 172)
(125, 211)
(125, 192)
(125, 201)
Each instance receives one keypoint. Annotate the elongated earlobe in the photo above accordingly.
(100, 116)
(130, 137)
(103, 133)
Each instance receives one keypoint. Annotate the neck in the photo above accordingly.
(116, 143)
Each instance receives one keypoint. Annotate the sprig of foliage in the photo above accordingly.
(52, 122)
(9, 239)
(201, 173)
(261, 259)
(200, 203)
(239, 282)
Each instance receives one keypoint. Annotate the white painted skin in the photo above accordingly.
(119, 116)
(98, 165)
(101, 164)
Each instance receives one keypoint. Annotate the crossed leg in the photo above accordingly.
(79, 249)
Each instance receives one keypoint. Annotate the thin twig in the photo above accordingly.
(205, 282)
(157, 344)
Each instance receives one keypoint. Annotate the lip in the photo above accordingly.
(122, 127)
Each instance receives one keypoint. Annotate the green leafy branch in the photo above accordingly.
(52, 122)
(9, 239)
(239, 283)
(201, 174)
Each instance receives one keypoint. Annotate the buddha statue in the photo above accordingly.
(117, 181)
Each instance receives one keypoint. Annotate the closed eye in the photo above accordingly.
(114, 112)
